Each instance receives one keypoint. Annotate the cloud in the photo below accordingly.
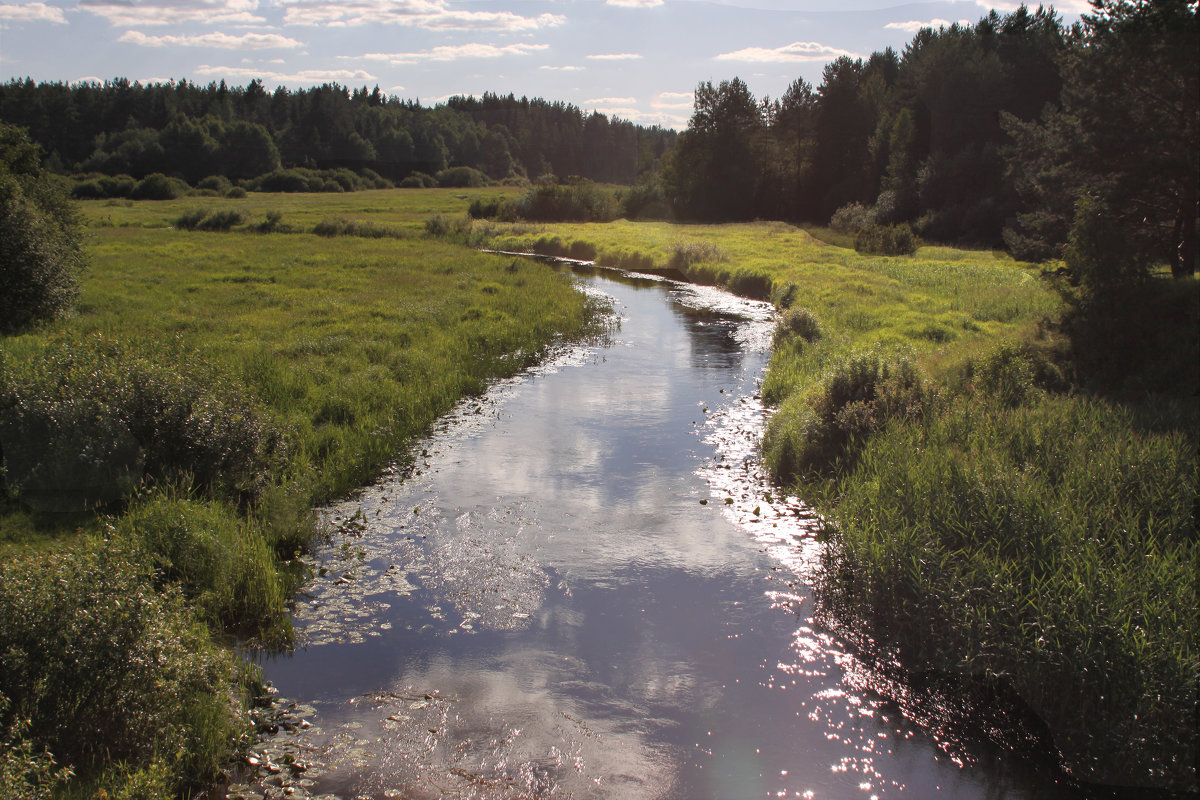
(789, 53)
(209, 12)
(615, 57)
(1062, 6)
(426, 14)
(913, 25)
(561, 69)
(634, 3)
(224, 41)
(304, 76)
(610, 101)
(674, 100)
(456, 53)
(32, 12)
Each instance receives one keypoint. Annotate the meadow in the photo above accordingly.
(993, 513)
(1010, 505)
(166, 445)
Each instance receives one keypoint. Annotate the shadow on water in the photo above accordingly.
(587, 588)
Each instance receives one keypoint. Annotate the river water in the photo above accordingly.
(586, 588)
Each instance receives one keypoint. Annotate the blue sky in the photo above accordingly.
(636, 59)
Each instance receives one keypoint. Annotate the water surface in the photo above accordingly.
(588, 589)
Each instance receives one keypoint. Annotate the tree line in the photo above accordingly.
(192, 131)
(988, 134)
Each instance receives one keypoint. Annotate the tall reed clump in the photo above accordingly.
(820, 431)
(1049, 544)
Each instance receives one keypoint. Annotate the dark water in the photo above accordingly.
(588, 590)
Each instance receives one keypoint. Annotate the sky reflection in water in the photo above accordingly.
(548, 609)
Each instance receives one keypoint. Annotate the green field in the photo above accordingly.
(992, 514)
(247, 377)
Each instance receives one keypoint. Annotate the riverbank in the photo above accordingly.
(219, 384)
(998, 512)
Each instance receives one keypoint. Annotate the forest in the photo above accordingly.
(982, 135)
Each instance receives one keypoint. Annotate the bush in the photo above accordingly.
(41, 248)
(201, 220)
(26, 772)
(461, 177)
(110, 672)
(886, 240)
(272, 224)
(797, 323)
(852, 218)
(487, 208)
(822, 431)
(419, 180)
(579, 201)
(236, 193)
(84, 420)
(215, 183)
(157, 186)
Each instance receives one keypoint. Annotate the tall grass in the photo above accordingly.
(1051, 545)
(210, 392)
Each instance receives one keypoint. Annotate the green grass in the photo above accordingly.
(991, 517)
(212, 389)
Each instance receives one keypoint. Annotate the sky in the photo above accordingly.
(639, 60)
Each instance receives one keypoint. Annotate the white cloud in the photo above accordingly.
(789, 53)
(427, 14)
(561, 69)
(456, 52)
(304, 76)
(1062, 6)
(913, 25)
(674, 100)
(634, 3)
(610, 101)
(208, 12)
(615, 57)
(224, 41)
(31, 12)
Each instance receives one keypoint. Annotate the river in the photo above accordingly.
(587, 588)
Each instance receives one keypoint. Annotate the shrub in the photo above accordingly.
(797, 323)
(822, 430)
(41, 249)
(486, 208)
(1006, 374)
(157, 186)
(109, 671)
(645, 201)
(272, 224)
(222, 220)
(579, 201)
(852, 218)
(236, 193)
(216, 183)
(189, 220)
(82, 421)
(886, 240)
(461, 177)
(419, 180)
(26, 772)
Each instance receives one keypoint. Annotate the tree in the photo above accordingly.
(714, 170)
(41, 250)
(1127, 132)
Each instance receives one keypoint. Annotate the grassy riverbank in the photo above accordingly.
(1009, 503)
(217, 385)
